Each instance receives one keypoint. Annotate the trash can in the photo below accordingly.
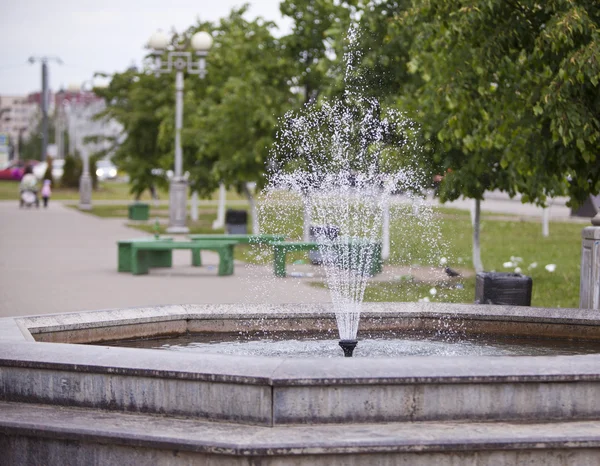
(503, 288)
(236, 222)
(320, 234)
(360, 255)
(139, 211)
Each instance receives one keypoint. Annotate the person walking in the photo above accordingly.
(46, 192)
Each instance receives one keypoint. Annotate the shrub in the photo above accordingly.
(73, 169)
(71, 172)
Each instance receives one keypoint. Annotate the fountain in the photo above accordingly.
(344, 158)
(65, 394)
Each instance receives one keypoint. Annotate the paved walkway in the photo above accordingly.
(62, 260)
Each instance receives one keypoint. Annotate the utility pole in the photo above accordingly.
(44, 97)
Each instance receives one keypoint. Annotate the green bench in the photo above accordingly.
(237, 238)
(281, 248)
(142, 252)
(161, 258)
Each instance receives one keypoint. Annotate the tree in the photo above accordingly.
(32, 146)
(140, 101)
(510, 93)
(317, 28)
(233, 122)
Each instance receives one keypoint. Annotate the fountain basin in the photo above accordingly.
(43, 366)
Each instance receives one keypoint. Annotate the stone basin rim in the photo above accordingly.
(275, 371)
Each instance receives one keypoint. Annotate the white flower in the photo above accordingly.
(508, 265)
(432, 291)
(516, 259)
(533, 265)
(551, 267)
(424, 300)
(443, 261)
(518, 270)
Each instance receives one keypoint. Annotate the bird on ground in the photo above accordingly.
(451, 272)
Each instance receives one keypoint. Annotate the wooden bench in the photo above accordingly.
(161, 258)
(142, 251)
(238, 238)
(281, 248)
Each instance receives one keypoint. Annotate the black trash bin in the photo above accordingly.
(236, 222)
(503, 288)
(321, 233)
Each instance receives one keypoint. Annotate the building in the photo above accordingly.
(75, 112)
(17, 118)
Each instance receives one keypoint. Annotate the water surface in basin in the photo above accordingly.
(374, 345)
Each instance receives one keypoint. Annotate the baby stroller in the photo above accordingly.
(28, 198)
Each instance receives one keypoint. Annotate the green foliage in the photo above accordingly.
(72, 170)
(509, 93)
(234, 115)
(31, 148)
(315, 44)
(139, 101)
(48, 172)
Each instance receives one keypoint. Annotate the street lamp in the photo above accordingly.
(179, 61)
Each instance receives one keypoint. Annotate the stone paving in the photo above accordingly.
(61, 260)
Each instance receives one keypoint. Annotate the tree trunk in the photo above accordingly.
(306, 218)
(476, 244)
(545, 222)
(385, 234)
(194, 207)
(220, 220)
(253, 210)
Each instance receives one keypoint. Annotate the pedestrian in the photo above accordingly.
(46, 192)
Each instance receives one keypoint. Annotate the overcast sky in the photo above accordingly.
(99, 35)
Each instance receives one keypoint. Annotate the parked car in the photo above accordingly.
(14, 170)
(106, 170)
(39, 170)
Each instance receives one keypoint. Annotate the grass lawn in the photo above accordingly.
(107, 191)
(426, 240)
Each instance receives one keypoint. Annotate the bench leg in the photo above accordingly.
(160, 258)
(124, 257)
(196, 258)
(139, 262)
(279, 261)
(225, 260)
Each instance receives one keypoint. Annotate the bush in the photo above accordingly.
(73, 169)
(48, 172)
(71, 172)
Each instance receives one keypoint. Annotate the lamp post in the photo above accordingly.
(44, 98)
(180, 61)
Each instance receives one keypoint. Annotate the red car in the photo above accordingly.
(14, 170)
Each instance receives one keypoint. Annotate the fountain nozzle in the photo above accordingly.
(348, 347)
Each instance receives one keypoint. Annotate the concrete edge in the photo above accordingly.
(111, 317)
(142, 430)
(278, 372)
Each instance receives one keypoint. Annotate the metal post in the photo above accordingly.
(85, 184)
(178, 123)
(178, 184)
(44, 105)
